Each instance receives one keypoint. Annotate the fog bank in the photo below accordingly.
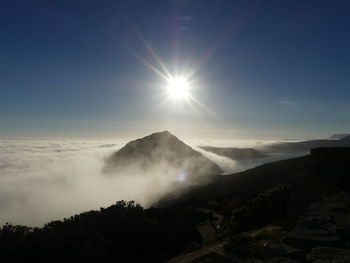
(47, 180)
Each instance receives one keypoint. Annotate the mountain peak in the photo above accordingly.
(162, 152)
(162, 133)
(159, 135)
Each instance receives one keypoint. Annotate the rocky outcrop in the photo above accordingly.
(234, 153)
(279, 250)
(329, 255)
(321, 236)
(164, 154)
(326, 223)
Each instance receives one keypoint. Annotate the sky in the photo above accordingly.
(257, 69)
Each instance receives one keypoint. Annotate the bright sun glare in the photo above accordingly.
(178, 88)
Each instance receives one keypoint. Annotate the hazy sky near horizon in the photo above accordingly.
(262, 69)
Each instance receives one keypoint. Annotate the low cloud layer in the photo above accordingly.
(42, 181)
(47, 180)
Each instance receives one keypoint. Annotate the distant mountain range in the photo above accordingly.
(336, 140)
(343, 140)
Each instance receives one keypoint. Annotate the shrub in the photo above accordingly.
(245, 246)
(265, 209)
(242, 245)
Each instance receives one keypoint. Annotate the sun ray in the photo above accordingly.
(149, 65)
(203, 106)
(179, 83)
(165, 73)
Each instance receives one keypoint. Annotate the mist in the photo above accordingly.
(48, 180)
(42, 181)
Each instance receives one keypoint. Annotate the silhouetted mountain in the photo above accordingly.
(234, 153)
(165, 154)
(306, 146)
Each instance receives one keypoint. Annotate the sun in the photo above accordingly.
(178, 88)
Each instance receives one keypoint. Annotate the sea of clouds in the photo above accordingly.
(48, 180)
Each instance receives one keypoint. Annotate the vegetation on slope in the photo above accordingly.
(125, 232)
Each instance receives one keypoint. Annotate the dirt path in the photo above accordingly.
(254, 233)
(216, 248)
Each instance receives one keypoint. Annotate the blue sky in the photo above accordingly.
(265, 69)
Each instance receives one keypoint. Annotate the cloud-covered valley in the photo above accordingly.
(47, 180)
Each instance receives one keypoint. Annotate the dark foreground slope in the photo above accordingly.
(162, 153)
(304, 219)
(232, 190)
(235, 153)
(308, 176)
